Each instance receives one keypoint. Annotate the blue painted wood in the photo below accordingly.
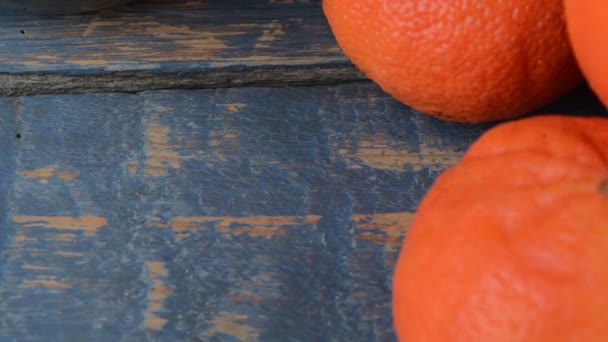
(225, 214)
(171, 45)
(169, 37)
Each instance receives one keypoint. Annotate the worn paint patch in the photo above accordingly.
(44, 174)
(41, 61)
(259, 288)
(192, 41)
(87, 224)
(65, 254)
(234, 325)
(67, 237)
(22, 237)
(270, 32)
(233, 108)
(157, 274)
(164, 109)
(380, 152)
(224, 143)
(49, 283)
(160, 153)
(132, 167)
(93, 25)
(158, 223)
(90, 62)
(387, 229)
(36, 267)
(256, 226)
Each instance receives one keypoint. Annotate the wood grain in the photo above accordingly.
(171, 44)
(222, 214)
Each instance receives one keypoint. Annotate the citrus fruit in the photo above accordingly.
(467, 61)
(588, 31)
(511, 244)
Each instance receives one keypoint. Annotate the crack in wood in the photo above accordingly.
(132, 82)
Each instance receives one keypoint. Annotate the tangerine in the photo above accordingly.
(511, 244)
(588, 30)
(466, 61)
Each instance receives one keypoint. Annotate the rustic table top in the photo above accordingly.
(205, 171)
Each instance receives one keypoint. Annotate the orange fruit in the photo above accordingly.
(588, 31)
(511, 244)
(467, 61)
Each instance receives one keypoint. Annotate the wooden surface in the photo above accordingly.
(162, 44)
(211, 214)
(224, 214)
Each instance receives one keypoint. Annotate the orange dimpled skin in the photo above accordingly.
(460, 60)
(587, 22)
(511, 244)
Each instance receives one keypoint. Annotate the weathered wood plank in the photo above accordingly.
(171, 44)
(229, 214)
